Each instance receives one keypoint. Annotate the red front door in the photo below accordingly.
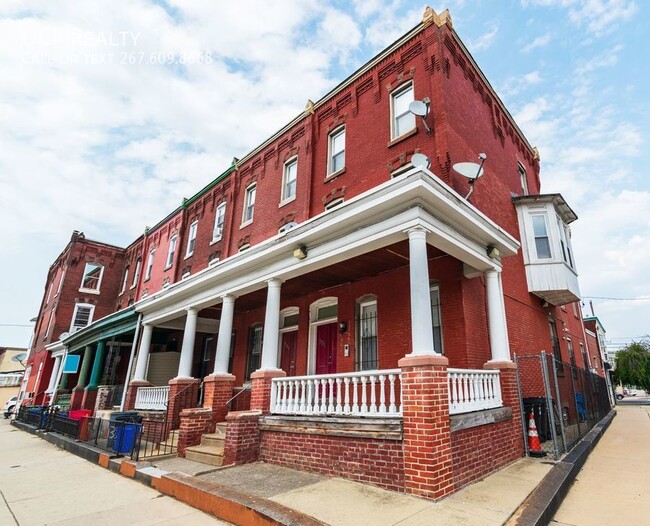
(326, 348)
(288, 356)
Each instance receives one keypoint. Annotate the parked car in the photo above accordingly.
(10, 406)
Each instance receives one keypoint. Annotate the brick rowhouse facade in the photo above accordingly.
(282, 265)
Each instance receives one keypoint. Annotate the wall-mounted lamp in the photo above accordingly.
(343, 326)
(300, 252)
(493, 252)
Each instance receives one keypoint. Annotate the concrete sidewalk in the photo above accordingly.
(613, 487)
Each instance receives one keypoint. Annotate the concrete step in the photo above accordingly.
(205, 454)
(213, 439)
(221, 428)
(172, 440)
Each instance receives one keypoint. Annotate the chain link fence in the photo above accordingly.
(564, 400)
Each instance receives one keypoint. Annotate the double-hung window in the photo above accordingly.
(82, 316)
(402, 120)
(540, 232)
(289, 178)
(125, 280)
(249, 204)
(136, 274)
(336, 161)
(152, 254)
(92, 278)
(171, 252)
(522, 178)
(191, 239)
(219, 220)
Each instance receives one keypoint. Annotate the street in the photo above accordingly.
(41, 484)
(613, 487)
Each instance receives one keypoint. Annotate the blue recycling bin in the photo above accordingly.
(581, 407)
(125, 436)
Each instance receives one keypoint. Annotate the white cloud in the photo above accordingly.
(607, 59)
(485, 40)
(537, 43)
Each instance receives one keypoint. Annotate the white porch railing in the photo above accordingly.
(365, 393)
(152, 398)
(473, 390)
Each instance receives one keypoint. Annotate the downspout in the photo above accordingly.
(130, 367)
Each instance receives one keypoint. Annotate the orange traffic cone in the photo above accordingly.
(534, 447)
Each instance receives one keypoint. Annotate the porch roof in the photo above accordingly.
(374, 219)
(120, 322)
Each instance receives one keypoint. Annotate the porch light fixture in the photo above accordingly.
(300, 252)
(493, 252)
(343, 326)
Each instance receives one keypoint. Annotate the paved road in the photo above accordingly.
(613, 487)
(41, 484)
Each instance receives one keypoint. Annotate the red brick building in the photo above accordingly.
(355, 288)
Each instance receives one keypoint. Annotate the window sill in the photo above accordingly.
(89, 291)
(215, 240)
(287, 201)
(187, 256)
(403, 137)
(334, 175)
(168, 267)
(245, 224)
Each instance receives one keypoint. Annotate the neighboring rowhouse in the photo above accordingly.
(12, 369)
(341, 275)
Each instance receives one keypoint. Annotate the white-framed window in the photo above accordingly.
(249, 204)
(289, 179)
(367, 357)
(82, 316)
(289, 318)
(565, 242)
(136, 274)
(436, 319)
(171, 251)
(402, 120)
(540, 233)
(191, 239)
(125, 280)
(49, 325)
(219, 220)
(49, 292)
(152, 255)
(286, 227)
(336, 157)
(92, 278)
(334, 203)
(522, 178)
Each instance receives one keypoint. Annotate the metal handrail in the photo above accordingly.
(244, 388)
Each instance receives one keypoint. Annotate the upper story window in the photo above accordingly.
(125, 280)
(171, 252)
(82, 316)
(402, 120)
(565, 236)
(334, 203)
(136, 274)
(60, 286)
(336, 158)
(249, 204)
(219, 220)
(49, 325)
(92, 278)
(540, 232)
(49, 292)
(289, 178)
(152, 255)
(191, 239)
(522, 178)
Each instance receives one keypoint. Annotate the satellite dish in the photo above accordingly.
(419, 108)
(64, 335)
(20, 358)
(470, 170)
(420, 160)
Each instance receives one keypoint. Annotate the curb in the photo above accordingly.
(542, 504)
(222, 502)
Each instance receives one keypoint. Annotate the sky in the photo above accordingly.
(112, 111)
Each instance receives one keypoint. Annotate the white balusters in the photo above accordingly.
(152, 398)
(473, 390)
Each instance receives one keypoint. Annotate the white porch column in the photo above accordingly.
(187, 350)
(55, 374)
(225, 334)
(421, 329)
(143, 353)
(497, 317)
(271, 342)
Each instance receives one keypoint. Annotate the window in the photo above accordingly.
(49, 292)
(191, 239)
(58, 289)
(436, 319)
(285, 228)
(136, 274)
(254, 349)
(572, 358)
(585, 358)
(402, 120)
(249, 204)
(522, 178)
(336, 159)
(289, 178)
(555, 344)
(49, 325)
(564, 242)
(540, 232)
(125, 280)
(171, 252)
(289, 318)
(82, 316)
(367, 336)
(219, 220)
(152, 254)
(334, 203)
(92, 278)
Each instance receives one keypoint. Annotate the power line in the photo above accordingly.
(14, 325)
(640, 298)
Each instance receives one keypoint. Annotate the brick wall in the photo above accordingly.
(375, 461)
(242, 438)
(194, 424)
